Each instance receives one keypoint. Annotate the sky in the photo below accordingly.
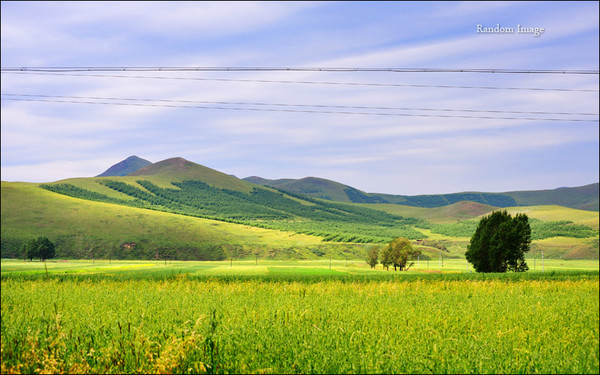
(380, 131)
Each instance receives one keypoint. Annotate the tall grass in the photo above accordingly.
(184, 324)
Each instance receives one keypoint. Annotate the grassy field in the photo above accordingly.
(296, 317)
(260, 266)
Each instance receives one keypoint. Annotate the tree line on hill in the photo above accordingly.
(261, 207)
(283, 210)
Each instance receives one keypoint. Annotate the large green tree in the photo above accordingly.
(500, 243)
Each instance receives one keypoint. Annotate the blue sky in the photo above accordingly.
(435, 144)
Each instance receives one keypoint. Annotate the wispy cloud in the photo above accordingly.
(393, 154)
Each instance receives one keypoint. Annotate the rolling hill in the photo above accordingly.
(86, 229)
(179, 169)
(583, 197)
(200, 213)
(319, 188)
(180, 186)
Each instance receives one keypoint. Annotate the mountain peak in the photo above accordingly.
(179, 169)
(168, 166)
(125, 167)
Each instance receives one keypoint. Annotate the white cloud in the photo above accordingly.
(361, 150)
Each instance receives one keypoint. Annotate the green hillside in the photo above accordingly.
(558, 232)
(179, 186)
(319, 188)
(266, 182)
(82, 229)
(261, 207)
(179, 208)
(179, 169)
(583, 198)
(463, 210)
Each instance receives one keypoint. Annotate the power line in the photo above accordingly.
(295, 110)
(294, 69)
(309, 82)
(300, 105)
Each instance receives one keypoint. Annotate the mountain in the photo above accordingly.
(583, 197)
(179, 186)
(180, 169)
(125, 167)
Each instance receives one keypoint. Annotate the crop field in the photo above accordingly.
(296, 317)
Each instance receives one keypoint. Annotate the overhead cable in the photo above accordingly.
(294, 110)
(300, 105)
(293, 69)
(310, 82)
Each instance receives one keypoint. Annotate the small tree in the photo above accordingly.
(46, 248)
(500, 243)
(40, 247)
(373, 256)
(399, 252)
(31, 249)
(386, 257)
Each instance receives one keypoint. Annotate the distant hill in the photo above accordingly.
(583, 197)
(319, 188)
(265, 182)
(463, 210)
(125, 167)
